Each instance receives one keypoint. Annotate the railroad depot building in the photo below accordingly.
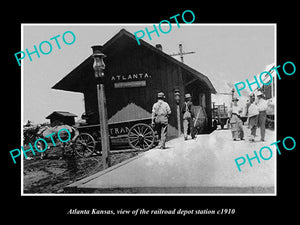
(134, 74)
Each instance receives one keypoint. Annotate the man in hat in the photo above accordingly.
(160, 113)
(188, 116)
(262, 106)
(235, 120)
(252, 113)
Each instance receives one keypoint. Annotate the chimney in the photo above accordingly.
(159, 47)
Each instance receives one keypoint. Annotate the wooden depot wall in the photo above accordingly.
(135, 74)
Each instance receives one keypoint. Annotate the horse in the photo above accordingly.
(47, 130)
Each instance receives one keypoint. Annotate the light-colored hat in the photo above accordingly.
(259, 93)
(160, 95)
(235, 99)
(188, 95)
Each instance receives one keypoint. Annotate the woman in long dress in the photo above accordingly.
(252, 117)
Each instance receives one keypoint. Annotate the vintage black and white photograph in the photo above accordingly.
(148, 109)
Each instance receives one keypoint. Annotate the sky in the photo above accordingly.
(226, 54)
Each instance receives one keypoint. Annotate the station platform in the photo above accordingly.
(205, 165)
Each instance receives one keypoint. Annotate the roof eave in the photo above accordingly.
(60, 85)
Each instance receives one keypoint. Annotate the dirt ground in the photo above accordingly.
(50, 175)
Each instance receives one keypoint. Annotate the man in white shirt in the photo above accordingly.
(262, 106)
(188, 117)
(160, 113)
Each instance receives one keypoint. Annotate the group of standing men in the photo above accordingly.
(161, 112)
(255, 111)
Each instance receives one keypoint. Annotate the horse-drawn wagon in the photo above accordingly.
(86, 140)
(137, 133)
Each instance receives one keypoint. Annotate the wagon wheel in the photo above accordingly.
(98, 147)
(141, 136)
(84, 145)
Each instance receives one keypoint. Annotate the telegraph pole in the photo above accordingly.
(177, 93)
(181, 53)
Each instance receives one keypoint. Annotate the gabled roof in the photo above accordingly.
(61, 113)
(67, 82)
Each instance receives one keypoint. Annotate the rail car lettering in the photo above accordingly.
(118, 131)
